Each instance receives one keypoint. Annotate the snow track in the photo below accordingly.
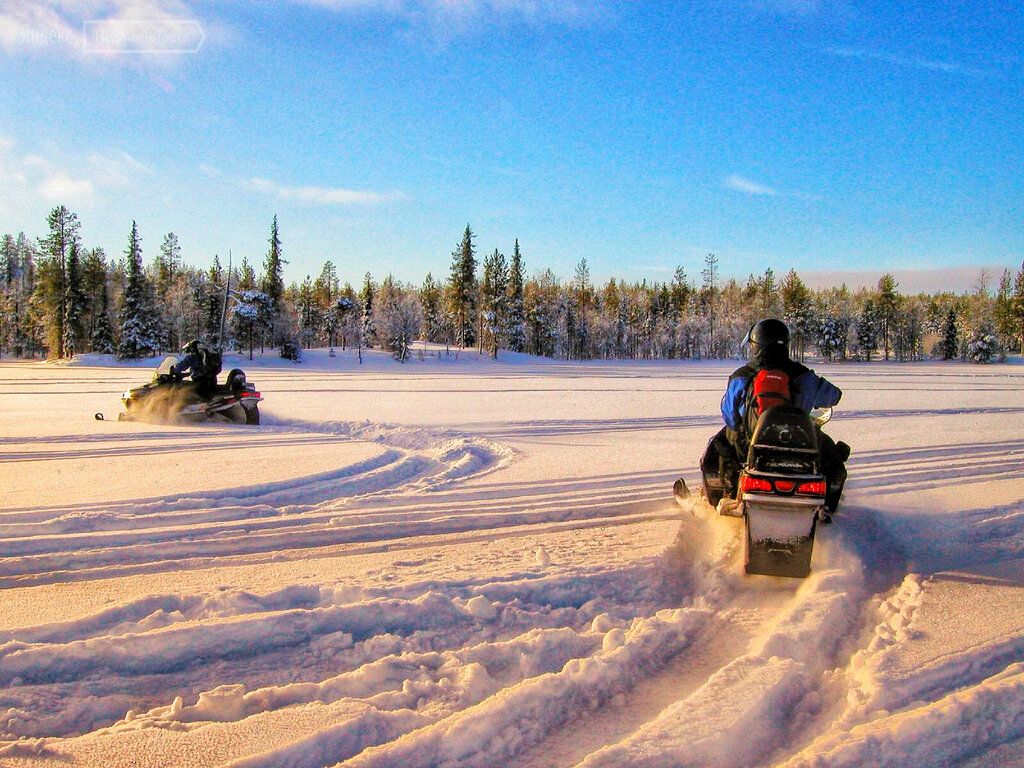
(501, 581)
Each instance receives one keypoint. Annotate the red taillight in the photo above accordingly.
(784, 486)
(813, 488)
(246, 393)
(750, 484)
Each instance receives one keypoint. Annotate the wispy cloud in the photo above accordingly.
(915, 62)
(56, 177)
(748, 187)
(322, 195)
(451, 18)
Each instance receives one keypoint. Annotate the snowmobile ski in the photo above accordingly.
(680, 490)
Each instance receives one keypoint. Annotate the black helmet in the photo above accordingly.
(769, 342)
(190, 347)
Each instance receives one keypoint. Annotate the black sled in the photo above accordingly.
(168, 397)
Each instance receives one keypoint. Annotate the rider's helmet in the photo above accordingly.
(191, 347)
(769, 342)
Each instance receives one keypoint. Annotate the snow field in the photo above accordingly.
(470, 564)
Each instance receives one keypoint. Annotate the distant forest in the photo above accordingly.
(59, 298)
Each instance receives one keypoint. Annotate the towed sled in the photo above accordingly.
(780, 494)
(168, 397)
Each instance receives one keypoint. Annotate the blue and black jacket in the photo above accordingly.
(807, 389)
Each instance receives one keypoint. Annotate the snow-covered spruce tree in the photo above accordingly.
(75, 305)
(983, 346)
(494, 298)
(213, 304)
(1016, 320)
(250, 317)
(139, 335)
(516, 322)
(461, 293)
(397, 315)
(831, 337)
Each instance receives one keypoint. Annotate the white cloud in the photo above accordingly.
(50, 177)
(116, 169)
(741, 184)
(61, 188)
(321, 195)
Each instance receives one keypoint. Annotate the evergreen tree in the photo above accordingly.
(494, 292)
(462, 291)
(430, 303)
(74, 304)
(797, 310)
(949, 346)
(101, 337)
(867, 330)
(246, 276)
(213, 304)
(168, 263)
(709, 276)
(366, 299)
(579, 316)
(52, 284)
(272, 283)
(516, 308)
(10, 261)
(888, 310)
(1016, 320)
(138, 334)
(1003, 309)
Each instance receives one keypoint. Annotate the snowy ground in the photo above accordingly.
(462, 563)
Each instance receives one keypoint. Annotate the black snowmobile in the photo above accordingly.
(169, 397)
(780, 494)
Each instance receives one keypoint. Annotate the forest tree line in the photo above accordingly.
(59, 298)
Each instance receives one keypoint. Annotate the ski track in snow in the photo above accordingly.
(505, 621)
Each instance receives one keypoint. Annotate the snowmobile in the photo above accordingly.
(169, 397)
(780, 492)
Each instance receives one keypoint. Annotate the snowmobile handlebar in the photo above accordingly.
(821, 416)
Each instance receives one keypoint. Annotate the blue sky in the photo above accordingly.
(826, 136)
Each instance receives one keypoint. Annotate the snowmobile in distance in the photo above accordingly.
(780, 492)
(169, 397)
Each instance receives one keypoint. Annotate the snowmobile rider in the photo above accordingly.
(198, 360)
(769, 349)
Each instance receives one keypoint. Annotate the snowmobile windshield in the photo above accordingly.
(165, 367)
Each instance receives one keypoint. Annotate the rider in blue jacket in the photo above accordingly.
(769, 348)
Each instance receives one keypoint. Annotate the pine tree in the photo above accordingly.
(246, 276)
(867, 329)
(430, 303)
(949, 344)
(272, 283)
(168, 263)
(1017, 308)
(582, 296)
(516, 308)
(709, 276)
(797, 310)
(74, 304)
(138, 334)
(366, 299)
(888, 309)
(494, 293)
(462, 291)
(213, 304)
(51, 287)
(101, 338)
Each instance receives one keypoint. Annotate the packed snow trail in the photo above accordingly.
(462, 563)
